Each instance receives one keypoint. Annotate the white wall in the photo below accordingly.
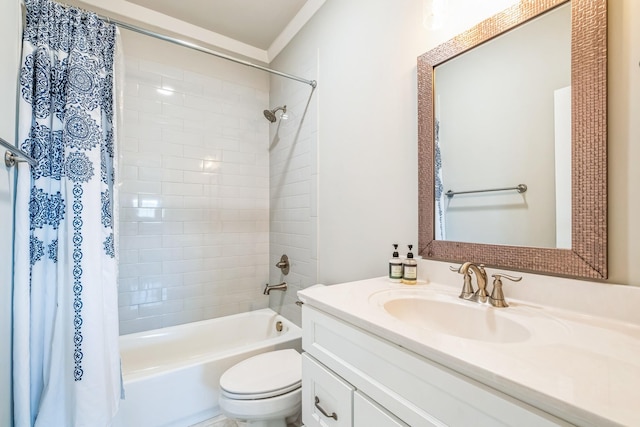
(10, 40)
(623, 136)
(367, 131)
(194, 197)
(293, 185)
(367, 128)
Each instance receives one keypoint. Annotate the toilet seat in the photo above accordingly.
(263, 376)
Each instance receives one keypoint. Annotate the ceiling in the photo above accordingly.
(253, 22)
(248, 29)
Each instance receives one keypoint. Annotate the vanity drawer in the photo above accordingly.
(367, 413)
(322, 390)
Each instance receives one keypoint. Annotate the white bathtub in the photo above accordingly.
(171, 374)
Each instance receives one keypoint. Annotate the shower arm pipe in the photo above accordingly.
(15, 154)
(199, 48)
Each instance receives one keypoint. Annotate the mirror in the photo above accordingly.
(569, 238)
(507, 93)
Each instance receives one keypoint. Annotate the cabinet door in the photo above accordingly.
(326, 398)
(367, 413)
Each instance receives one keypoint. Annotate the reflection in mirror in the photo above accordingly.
(494, 113)
(558, 226)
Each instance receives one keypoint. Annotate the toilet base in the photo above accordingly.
(263, 423)
(293, 421)
(277, 411)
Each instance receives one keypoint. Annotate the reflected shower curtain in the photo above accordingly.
(440, 223)
(66, 356)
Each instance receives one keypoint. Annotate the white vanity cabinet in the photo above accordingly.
(367, 413)
(328, 400)
(368, 381)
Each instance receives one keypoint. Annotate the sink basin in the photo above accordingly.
(452, 316)
(466, 321)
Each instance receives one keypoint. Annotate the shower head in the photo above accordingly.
(271, 114)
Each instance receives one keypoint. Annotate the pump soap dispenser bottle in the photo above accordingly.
(395, 266)
(410, 269)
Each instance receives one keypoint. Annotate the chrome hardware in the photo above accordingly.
(268, 288)
(203, 49)
(299, 303)
(325, 413)
(279, 326)
(481, 294)
(497, 296)
(14, 154)
(283, 264)
(467, 287)
(520, 188)
(10, 159)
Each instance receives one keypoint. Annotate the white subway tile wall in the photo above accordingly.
(294, 178)
(194, 196)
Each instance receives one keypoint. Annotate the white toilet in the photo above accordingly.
(263, 390)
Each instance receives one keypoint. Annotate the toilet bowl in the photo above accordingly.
(263, 390)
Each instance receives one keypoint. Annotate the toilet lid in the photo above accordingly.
(262, 376)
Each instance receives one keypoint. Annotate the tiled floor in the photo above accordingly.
(217, 422)
(223, 422)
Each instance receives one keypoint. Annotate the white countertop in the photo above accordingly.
(583, 369)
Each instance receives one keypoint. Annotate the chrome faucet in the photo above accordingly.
(280, 287)
(497, 296)
(467, 293)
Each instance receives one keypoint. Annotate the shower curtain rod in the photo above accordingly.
(199, 48)
(14, 154)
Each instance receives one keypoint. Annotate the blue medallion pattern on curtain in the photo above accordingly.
(66, 122)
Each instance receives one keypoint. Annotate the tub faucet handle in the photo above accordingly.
(283, 264)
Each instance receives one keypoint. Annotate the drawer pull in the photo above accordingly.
(325, 413)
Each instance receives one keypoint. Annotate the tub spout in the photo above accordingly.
(281, 287)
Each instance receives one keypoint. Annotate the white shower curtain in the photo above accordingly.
(66, 356)
(440, 221)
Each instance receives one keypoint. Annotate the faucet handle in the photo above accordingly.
(497, 277)
(497, 296)
(467, 288)
(283, 264)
